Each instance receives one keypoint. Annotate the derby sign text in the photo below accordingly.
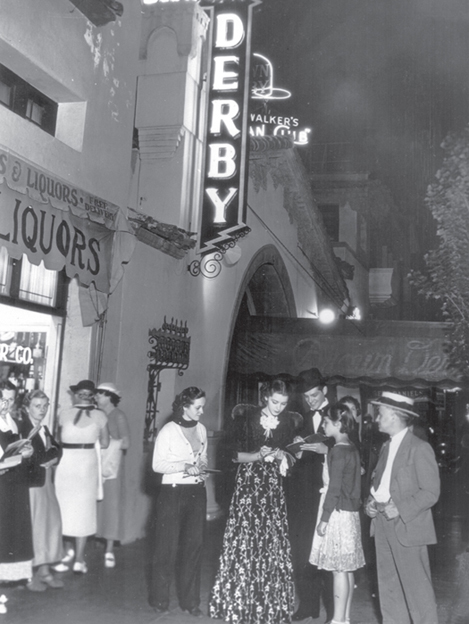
(224, 190)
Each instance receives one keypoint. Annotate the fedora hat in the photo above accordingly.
(84, 384)
(309, 379)
(397, 401)
(109, 387)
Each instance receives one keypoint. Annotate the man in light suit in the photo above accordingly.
(405, 487)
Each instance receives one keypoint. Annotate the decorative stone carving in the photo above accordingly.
(179, 18)
(347, 270)
(276, 158)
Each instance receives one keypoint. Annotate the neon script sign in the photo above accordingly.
(263, 83)
(223, 215)
(263, 88)
(275, 125)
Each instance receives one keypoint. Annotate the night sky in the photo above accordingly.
(387, 77)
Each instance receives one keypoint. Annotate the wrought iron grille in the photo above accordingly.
(170, 349)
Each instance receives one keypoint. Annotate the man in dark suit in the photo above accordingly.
(303, 494)
(405, 487)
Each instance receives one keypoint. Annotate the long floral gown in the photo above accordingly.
(254, 583)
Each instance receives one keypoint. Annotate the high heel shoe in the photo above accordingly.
(63, 565)
(109, 560)
(80, 567)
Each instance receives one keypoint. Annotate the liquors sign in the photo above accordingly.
(223, 215)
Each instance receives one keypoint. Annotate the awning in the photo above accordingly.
(53, 221)
(392, 353)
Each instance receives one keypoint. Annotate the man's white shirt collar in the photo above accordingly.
(397, 438)
(8, 424)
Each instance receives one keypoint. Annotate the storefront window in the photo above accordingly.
(4, 271)
(36, 285)
(29, 351)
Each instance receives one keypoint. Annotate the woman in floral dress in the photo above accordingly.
(254, 583)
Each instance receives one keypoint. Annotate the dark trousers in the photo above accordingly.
(311, 584)
(179, 532)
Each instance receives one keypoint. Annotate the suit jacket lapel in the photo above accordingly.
(402, 453)
(381, 465)
(323, 411)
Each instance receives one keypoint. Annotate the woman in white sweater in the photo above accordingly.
(180, 455)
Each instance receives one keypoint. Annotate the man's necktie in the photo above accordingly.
(381, 465)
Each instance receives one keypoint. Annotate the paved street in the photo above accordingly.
(118, 596)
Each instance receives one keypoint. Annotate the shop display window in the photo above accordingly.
(38, 284)
(20, 280)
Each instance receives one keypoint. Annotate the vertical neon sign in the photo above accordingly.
(223, 217)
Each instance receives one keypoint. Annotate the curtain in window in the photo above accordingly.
(37, 284)
(3, 271)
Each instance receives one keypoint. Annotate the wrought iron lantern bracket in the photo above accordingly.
(170, 349)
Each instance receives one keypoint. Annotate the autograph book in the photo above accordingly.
(14, 448)
(295, 447)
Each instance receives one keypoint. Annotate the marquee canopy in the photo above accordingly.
(393, 353)
(53, 221)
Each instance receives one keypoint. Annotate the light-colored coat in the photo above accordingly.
(415, 488)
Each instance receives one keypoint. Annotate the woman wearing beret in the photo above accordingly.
(77, 481)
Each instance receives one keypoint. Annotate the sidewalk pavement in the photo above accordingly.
(119, 595)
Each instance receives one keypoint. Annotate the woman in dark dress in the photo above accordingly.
(254, 583)
(16, 542)
(45, 511)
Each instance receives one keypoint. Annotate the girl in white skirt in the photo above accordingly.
(337, 543)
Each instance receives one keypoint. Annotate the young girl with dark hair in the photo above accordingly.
(353, 405)
(337, 543)
(180, 455)
(254, 583)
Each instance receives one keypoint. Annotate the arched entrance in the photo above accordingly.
(265, 291)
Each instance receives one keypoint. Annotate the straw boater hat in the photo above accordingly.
(397, 401)
(109, 387)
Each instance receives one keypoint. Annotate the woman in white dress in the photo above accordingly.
(77, 477)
